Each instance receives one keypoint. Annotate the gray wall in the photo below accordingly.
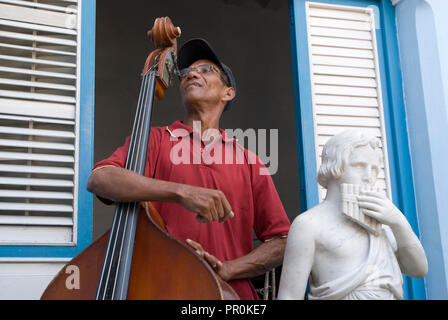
(252, 37)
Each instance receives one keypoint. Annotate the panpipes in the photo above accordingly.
(351, 210)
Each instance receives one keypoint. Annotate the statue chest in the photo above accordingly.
(341, 239)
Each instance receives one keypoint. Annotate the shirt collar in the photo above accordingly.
(188, 131)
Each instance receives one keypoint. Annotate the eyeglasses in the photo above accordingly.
(201, 69)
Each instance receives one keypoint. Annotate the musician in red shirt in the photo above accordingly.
(211, 192)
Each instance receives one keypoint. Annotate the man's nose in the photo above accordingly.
(192, 73)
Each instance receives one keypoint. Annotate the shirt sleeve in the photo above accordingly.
(270, 217)
(117, 159)
(119, 156)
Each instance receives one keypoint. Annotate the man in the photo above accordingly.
(344, 259)
(212, 206)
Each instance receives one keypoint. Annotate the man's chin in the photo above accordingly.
(192, 95)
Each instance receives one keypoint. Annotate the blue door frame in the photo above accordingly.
(394, 115)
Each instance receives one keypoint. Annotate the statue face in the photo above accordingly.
(362, 167)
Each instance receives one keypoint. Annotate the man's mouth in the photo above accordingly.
(193, 83)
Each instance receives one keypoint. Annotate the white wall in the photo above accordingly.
(26, 279)
(440, 10)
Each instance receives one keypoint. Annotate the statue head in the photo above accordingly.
(351, 156)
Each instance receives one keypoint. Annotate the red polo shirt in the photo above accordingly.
(176, 154)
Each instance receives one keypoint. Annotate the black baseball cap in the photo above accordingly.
(197, 49)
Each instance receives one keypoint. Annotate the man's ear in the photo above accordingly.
(229, 94)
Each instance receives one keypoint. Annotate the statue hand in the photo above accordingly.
(379, 207)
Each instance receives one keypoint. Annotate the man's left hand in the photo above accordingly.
(221, 268)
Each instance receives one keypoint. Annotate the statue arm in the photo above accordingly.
(298, 260)
(410, 253)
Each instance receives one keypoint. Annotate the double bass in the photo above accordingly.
(137, 258)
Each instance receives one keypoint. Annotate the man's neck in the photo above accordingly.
(209, 119)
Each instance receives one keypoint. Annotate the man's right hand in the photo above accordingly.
(210, 205)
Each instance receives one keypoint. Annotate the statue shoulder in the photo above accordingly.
(308, 222)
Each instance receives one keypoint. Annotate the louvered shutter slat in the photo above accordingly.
(345, 62)
(40, 5)
(36, 49)
(339, 24)
(35, 84)
(36, 96)
(13, 206)
(37, 132)
(31, 15)
(338, 14)
(37, 108)
(348, 111)
(36, 169)
(342, 52)
(345, 81)
(328, 130)
(36, 119)
(36, 182)
(38, 73)
(37, 145)
(39, 89)
(346, 101)
(30, 37)
(35, 194)
(341, 43)
(35, 157)
(44, 221)
(348, 121)
(344, 71)
(346, 89)
(341, 33)
(38, 61)
(34, 26)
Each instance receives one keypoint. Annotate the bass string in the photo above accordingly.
(137, 135)
(124, 214)
(138, 165)
(122, 208)
(118, 217)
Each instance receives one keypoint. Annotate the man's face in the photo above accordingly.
(202, 87)
(362, 167)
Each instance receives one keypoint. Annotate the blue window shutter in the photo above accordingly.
(46, 127)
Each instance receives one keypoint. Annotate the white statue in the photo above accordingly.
(342, 258)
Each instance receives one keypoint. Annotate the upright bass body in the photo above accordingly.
(162, 268)
(137, 258)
